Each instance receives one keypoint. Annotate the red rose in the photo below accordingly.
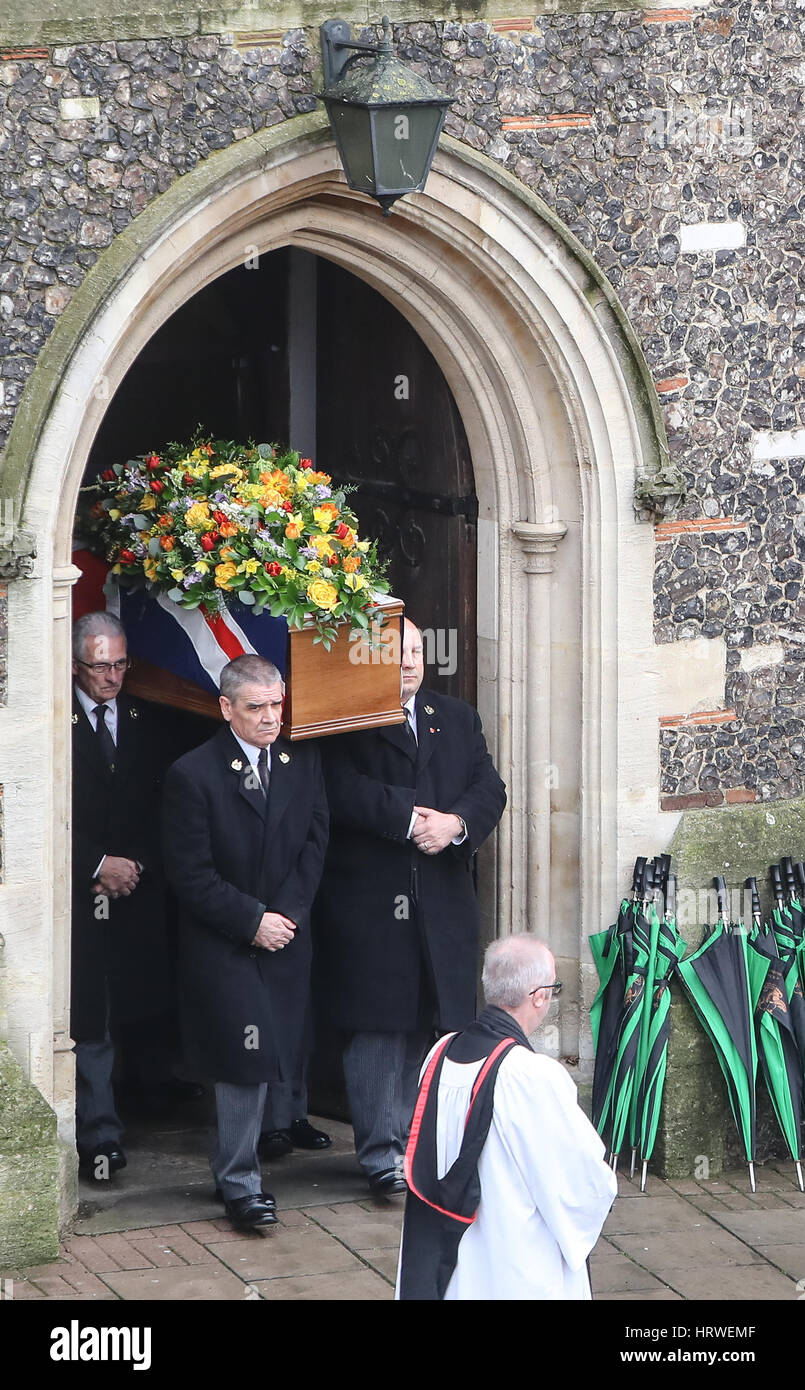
(189, 479)
(156, 486)
(220, 517)
(305, 463)
(287, 506)
(127, 557)
(273, 568)
(153, 461)
(341, 530)
(108, 475)
(333, 560)
(207, 542)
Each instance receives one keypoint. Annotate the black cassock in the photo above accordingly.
(438, 1211)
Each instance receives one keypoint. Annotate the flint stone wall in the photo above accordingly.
(631, 127)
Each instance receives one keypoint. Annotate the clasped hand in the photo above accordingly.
(274, 931)
(434, 830)
(117, 876)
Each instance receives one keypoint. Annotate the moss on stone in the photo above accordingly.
(29, 1170)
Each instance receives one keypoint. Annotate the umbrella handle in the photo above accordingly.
(787, 867)
(720, 885)
(752, 883)
(638, 876)
(776, 883)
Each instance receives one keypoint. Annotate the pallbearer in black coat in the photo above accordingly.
(245, 830)
(397, 916)
(121, 969)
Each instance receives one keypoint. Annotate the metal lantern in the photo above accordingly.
(385, 118)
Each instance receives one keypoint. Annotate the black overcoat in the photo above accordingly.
(231, 856)
(383, 904)
(126, 951)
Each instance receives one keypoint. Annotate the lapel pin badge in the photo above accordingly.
(285, 757)
(236, 765)
(134, 714)
(430, 710)
(73, 718)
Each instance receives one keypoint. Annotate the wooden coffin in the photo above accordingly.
(356, 685)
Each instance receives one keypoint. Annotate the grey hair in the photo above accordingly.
(92, 625)
(513, 966)
(247, 670)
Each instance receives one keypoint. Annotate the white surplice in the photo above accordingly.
(545, 1188)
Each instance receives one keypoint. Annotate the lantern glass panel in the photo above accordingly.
(351, 126)
(404, 140)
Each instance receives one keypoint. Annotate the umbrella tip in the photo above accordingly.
(643, 1177)
(633, 1162)
(799, 1176)
(752, 1183)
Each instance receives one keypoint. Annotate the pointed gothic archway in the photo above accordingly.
(557, 408)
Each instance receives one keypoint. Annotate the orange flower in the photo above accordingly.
(167, 542)
(351, 563)
(227, 528)
(165, 520)
(293, 531)
(328, 507)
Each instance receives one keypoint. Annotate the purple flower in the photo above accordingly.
(309, 552)
(322, 492)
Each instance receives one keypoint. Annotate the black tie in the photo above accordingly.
(409, 724)
(262, 768)
(105, 741)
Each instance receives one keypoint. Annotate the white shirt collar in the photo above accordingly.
(252, 752)
(89, 705)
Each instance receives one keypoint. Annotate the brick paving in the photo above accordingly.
(679, 1241)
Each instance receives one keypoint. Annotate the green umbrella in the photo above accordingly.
(639, 945)
(787, 929)
(608, 950)
(670, 950)
(723, 980)
(779, 1056)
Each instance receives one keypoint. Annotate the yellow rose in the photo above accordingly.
(227, 470)
(323, 518)
(322, 593)
(323, 546)
(362, 545)
(249, 567)
(224, 574)
(356, 582)
(148, 503)
(198, 516)
(198, 470)
(301, 482)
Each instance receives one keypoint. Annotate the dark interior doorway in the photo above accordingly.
(294, 349)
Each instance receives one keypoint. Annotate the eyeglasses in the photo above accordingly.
(102, 668)
(555, 988)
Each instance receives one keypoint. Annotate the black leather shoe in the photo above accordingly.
(268, 1198)
(250, 1212)
(98, 1165)
(304, 1136)
(389, 1183)
(274, 1145)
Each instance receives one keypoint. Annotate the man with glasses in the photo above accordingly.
(508, 1188)
(121, 969)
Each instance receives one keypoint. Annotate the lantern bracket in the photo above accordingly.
(336, 40)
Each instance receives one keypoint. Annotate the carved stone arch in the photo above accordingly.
(560, 417)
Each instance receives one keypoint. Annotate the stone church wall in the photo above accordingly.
(669, 142)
